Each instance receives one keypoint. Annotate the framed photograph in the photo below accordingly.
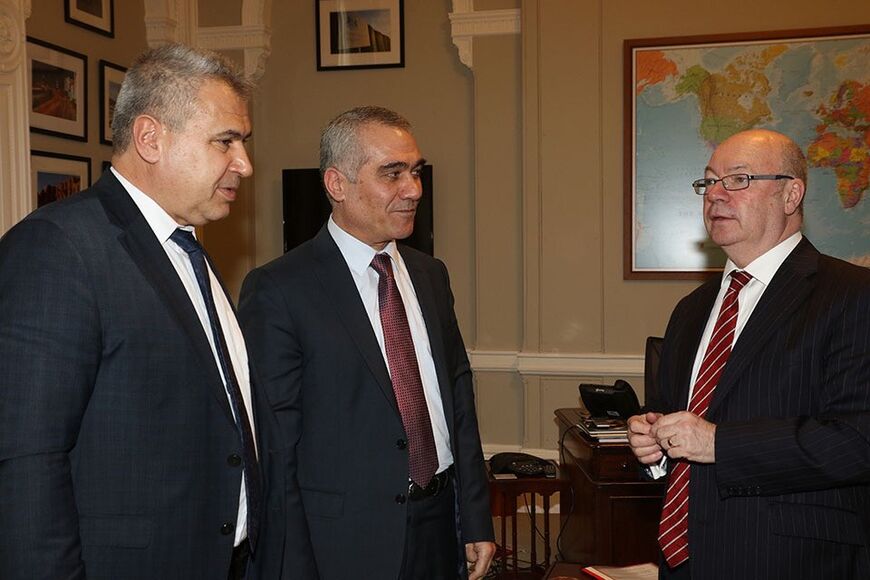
(684, 96)
(111, 77)
(95, 15)
(58, 90)
(359, 34)
(56, 175)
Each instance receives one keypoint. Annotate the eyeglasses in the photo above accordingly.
(734, 182)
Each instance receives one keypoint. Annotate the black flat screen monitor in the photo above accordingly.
(306, 209)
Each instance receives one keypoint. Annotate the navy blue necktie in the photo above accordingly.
(188, 243)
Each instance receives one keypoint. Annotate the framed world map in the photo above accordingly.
(684, 96)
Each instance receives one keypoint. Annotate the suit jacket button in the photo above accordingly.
(400, 498)
(234, 460)
(228, 528)
(401, 444)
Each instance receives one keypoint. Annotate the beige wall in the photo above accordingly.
(572, 301)
(47, 23)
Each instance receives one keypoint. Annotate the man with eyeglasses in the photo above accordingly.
(762, 422)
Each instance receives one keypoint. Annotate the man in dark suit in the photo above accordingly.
(357, 345)
(127, 418)
(763, 415)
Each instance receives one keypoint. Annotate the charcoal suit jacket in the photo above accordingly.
(789, 493)
(323, 372)
(118, 449)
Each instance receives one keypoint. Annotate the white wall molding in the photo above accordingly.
(177, 21)
(465, 24)
(254, 39)
(558, 364)
(15, 187)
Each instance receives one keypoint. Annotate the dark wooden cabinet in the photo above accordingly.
(614, 513)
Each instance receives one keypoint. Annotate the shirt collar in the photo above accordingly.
(764, 267)
(161, 223)
(357, 254)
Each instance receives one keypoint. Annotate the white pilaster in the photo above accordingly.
(16, 199)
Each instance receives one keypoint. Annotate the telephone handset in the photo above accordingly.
(521, 465)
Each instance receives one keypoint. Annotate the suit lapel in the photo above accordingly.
(425, 291)
(693, 325)
(790, 287)
(139, 241)
(338, 285)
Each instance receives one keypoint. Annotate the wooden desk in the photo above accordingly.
(504, 494)
(615, 515)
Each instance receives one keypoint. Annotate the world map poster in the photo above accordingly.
(685, 99)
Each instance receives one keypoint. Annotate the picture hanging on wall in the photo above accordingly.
(58, 90)
(111, 77)
(56, 175)
(685, 95)
(353, 34)
(95, 15)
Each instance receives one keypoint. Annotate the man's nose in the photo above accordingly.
(242, 162)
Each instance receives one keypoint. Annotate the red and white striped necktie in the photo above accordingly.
(674, 526)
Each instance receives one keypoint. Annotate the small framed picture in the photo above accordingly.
(111, 77)
(56, 175)
(359, 34)
(58, 90)
(95, 15)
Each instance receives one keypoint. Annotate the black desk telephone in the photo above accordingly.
(521, 465)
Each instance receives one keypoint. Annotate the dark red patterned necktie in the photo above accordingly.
(674, 526)
(405, 374)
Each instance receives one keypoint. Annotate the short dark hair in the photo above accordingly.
(339, 142)
(165, 82)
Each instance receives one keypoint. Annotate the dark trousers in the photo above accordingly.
(431, 552)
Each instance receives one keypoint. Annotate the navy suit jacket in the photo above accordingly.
(789, 493)
(115, 428)
(323, 373)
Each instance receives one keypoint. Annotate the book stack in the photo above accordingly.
(604, 430)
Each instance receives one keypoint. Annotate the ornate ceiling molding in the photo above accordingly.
(465, 24)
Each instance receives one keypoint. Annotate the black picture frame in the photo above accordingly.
(57, 175)
(58, 80)
(359, 34)
(95, 15)
(111, 77)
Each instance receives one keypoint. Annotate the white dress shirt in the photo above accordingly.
(163, 226)
(358, 256)
(762, 269)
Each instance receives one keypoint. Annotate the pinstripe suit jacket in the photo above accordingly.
(789, 493)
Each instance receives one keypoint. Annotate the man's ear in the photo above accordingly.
(335, 183)
(148, 136)
(794, 195)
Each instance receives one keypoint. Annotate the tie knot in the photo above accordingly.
(383, 265)
(185, 241)
(739, 279)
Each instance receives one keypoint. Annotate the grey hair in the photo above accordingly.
(794, 162)
(164, 82)
(340, 146)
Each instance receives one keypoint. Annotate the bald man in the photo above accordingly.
(763, 419)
